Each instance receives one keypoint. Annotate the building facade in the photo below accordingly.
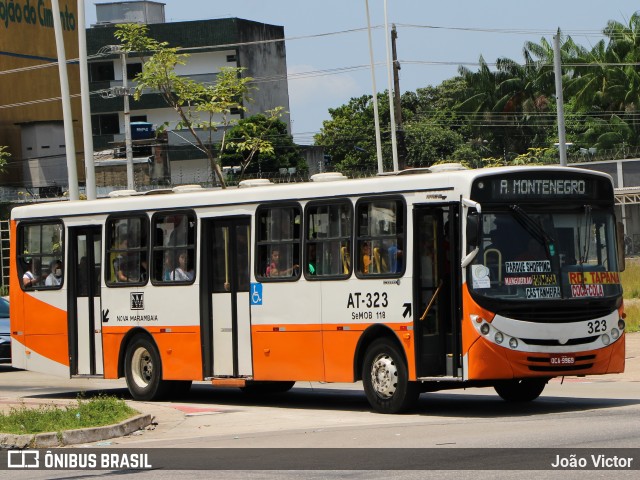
(256, 47)
(30, 108)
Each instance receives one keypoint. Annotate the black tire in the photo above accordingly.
(386, 378)
(525, 390)
(259, 388)
(143, 370)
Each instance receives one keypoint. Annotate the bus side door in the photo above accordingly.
(85, 320)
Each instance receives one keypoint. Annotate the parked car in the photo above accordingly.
(5, 332)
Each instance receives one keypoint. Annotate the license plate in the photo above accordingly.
(562, 360)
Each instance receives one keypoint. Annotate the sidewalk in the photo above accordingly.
(165, 416)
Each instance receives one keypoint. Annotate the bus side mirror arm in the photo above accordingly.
(472, 230)
(468, 258)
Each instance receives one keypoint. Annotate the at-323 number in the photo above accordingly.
(597, 326)
(376, 300)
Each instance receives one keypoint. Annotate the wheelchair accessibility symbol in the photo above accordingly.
(256, 294)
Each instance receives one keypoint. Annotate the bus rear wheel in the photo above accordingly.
(143, 370)
(386, 379)
(524, 390)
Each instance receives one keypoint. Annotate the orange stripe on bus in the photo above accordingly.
(180, 350)
(315, 352)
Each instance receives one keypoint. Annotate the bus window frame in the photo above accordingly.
(189, 247)
(306, 240)
(259, 274)
(20, 263)
(108, 227)
(357, 237)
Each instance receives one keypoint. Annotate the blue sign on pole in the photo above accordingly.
(256, 294)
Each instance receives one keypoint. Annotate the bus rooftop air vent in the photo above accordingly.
(327, 177)
(187, 188)
(255, 182)
(447, 167)
(122, 193)
(406, 171)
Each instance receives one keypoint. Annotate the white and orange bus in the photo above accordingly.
(440, 279)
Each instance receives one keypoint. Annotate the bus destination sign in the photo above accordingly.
(541, 187)
(522, 187)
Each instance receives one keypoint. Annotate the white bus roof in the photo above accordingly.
(449, 183)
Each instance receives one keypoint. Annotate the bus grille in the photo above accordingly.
(558, 314)
(556, 343)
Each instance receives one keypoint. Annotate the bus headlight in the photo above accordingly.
(513, 343)
(615, 333)
(485, 328)
(621, 324)
(499, 338)
(605, 339)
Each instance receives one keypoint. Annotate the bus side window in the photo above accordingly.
(278, 242)
(127, 251)
(381, 241)
(328, 239)
(40, 255)
(173, 247)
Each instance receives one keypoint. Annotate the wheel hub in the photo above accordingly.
(384, 376)
(142, 367)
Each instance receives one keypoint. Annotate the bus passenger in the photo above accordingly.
(55, 277)
(274, 270)
(28, 279)
(366, 258)
(182, 272)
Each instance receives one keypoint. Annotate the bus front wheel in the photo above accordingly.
(386, 379)
(143, 370)
(524, 390)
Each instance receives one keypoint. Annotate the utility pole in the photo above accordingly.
(402, 147)
(394, 143)
(89, 167)
(557, 66)
(376, 117)
(67, 115)
(131, 184)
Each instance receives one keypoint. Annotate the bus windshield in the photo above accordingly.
(531, 254)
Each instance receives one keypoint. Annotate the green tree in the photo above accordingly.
(261, 143)
(4, 156)
(208, 107)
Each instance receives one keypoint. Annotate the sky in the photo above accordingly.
(327, 47)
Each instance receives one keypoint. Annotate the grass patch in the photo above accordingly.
(95, 412)
(630, 279)
(632, 309)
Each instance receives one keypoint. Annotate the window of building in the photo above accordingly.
(278, 243)
(174, 250)
(127, 250)
(101, 71)
(40, 260)
(380, 242)
(328, 240)
(231, 58)
(105, 124)
(133, 69)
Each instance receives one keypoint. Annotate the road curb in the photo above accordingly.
(74, 437)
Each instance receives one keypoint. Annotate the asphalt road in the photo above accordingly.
(593, 412)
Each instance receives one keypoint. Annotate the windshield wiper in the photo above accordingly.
(535, 229)
(587, 234)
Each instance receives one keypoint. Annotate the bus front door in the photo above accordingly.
(85, 319)
(226, 317)
(436, 333)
